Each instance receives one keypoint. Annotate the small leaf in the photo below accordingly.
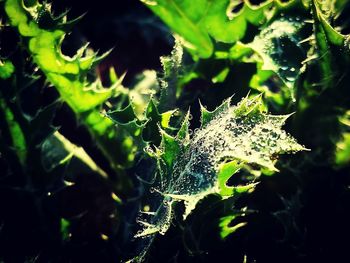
(65, 228)
(226, 228)
(122, 116)
(18, 139)
(6, 69)
(170, 148)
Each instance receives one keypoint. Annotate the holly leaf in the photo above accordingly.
(44, 34)
(230, 138)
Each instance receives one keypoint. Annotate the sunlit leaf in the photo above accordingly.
(6, 69)
(197, 21)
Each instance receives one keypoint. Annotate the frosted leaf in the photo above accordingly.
(190, 169)
(280, 47)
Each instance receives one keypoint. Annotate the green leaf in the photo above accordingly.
(326, 11)
(186, 18)
(44, 34)
(227, 25)
(197, 21)
(137, 133)
(129, 129)
(155, 120)
(18, 139)
(342, 155)
(226, 228)
(342, 151)
(183, 134)
(170, 148)
(225, 172)
(65, 229)
(123, 116)
(56, 151)
(207, 116)
(6, 69)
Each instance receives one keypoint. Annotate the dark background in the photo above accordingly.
(137, 37)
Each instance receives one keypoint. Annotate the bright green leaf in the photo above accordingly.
(6, 69)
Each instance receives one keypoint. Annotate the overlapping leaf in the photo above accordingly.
(200, 20)
(44, 34)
